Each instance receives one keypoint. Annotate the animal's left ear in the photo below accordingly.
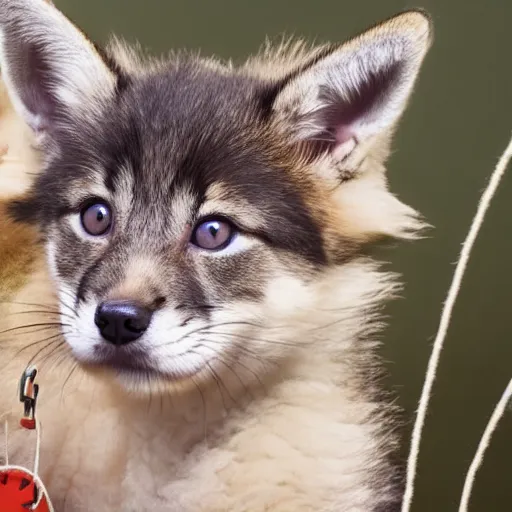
(347, 98)
(53, 73)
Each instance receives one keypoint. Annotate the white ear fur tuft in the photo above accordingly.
(51, 70)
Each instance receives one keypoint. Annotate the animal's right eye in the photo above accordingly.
(96, 219)
(213, 234)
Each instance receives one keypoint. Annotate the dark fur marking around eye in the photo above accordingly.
(84, 281)
(24, 210)
(121, 148)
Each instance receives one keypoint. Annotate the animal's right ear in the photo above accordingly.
(52, 72)
(349, 98)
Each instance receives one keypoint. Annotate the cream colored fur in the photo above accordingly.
(17, 162)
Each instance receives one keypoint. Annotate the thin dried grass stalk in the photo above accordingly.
(485, 201)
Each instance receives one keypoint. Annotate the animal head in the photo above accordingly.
(197, 214)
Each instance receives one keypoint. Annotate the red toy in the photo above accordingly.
(21, 489)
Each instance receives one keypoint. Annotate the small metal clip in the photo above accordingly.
(28, 397)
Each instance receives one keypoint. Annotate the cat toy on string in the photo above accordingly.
(22, 490)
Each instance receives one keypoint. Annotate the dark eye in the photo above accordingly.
(213, 234)
(96, 219)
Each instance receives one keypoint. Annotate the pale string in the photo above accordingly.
(485, 201)
(38, 444)
(38, 448)
(497, 414)
(6, 438)
(6, 443)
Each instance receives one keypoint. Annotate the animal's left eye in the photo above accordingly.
(96, 219)
(213, 234)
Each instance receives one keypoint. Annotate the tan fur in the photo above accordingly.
(140, 272)
(18, 247)
(18, 252)
(311, 436)
(16, 162)
(220, 198)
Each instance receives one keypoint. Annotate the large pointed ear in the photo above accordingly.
(51, 70)
(350, 97)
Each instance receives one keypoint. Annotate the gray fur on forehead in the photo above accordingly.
(170, 118)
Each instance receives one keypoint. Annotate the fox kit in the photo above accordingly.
(188, 268)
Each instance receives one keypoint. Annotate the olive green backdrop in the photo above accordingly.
(457, 125)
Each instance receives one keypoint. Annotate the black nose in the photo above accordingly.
(121, 322)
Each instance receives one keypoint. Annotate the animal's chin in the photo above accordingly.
(133, 368)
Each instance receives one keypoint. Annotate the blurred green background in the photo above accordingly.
(451, 136)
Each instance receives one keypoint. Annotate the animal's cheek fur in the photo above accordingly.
(249, 339)
(361, 210)
(69, 255)
(258, 336)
